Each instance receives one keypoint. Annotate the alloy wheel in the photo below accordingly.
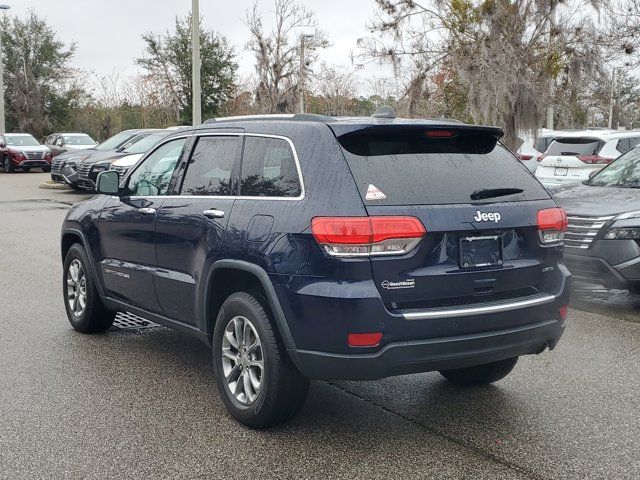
(242, 360)
(76, 288)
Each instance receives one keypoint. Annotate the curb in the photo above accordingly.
(49, 185)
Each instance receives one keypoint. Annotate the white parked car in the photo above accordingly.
(532, 148)
(573, 157)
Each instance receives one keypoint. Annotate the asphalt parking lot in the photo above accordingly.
(142, 403)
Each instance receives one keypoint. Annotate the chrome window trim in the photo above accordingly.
(228, 197)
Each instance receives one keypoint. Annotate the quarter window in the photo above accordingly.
(211, 166)
(623, 145)
(152, 177)
(269, 169)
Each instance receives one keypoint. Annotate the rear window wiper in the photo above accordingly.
(494, 192)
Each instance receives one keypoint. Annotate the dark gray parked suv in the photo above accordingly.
(602, 244)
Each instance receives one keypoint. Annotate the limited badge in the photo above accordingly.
(374, 193)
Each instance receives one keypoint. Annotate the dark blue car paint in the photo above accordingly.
(163, 267)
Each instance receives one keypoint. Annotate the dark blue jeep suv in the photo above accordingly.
(326, 248)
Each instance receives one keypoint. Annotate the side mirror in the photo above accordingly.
(107, 183)
(60, 143)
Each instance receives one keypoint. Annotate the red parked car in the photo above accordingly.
(21, 150)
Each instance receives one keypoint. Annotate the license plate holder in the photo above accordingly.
(478, 252)
(561, 171)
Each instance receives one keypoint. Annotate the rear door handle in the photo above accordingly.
(147, 211)
(213, 213)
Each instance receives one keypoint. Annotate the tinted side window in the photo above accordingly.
(542, 143)
(152, 177)
(211, 166)
(269, 169)
(623, 145)
(634, 142)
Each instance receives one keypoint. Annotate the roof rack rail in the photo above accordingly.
(300, 117)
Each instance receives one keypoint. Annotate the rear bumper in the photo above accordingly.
(434, 354)
(413, 340)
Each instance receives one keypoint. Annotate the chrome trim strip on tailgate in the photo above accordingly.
(494, 307)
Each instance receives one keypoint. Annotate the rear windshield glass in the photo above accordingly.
(406, 167)
(574, 146)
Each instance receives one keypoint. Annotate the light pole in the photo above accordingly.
(196, 97)
(303, 72)
(2, 125)
(612, 101)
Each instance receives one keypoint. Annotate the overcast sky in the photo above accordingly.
(107, 33)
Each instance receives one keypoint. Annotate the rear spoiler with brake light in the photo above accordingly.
(423, 138)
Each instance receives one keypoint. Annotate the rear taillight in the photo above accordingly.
(595, 159)
(552, 223)
(365, 236)
(541, 157)
(523, 158)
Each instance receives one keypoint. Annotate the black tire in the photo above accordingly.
(46, 169)
(8, 166)
(481, 374)
(95, 317)
(26, 169)
(283, 389)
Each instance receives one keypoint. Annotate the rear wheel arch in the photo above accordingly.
(229, 276)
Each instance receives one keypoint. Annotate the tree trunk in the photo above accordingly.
(510, 139)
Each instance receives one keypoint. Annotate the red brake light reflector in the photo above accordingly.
(524, 157)
(564, 311)
(364, 339)
(541, 157)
